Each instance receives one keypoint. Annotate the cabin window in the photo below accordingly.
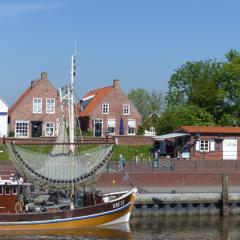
(105, 108)
(204, 146)
(37, 105)
(50, 105)
(49, 129)
(14, 190)
(1, 190)
(126, 109)
(21, 128)
(7, 190)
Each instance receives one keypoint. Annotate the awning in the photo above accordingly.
(168, 136)
(132, 123)
(111, 123)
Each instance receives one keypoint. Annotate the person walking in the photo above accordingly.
(121, 163)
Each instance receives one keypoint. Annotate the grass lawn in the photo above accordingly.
(3, 153)
(45, 149)
(130, 152)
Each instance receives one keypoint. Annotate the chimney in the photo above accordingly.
(32, 83)
(44, 75)
(116, 83)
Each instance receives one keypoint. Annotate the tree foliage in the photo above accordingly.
(211, 85)
(145, 102)
(187, 115)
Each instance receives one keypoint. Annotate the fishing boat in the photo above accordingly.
(56, 189)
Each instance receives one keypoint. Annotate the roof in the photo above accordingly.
(209, 129)
(3, 101)
(93, 97)
(20, 99)
(168, 136)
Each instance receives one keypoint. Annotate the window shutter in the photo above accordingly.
(212, 145)
(197, 145)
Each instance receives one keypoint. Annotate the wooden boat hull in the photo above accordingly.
(112, 212)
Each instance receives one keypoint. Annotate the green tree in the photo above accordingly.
(195, 83)
(145, 102)
(140, 98)
(231, 88)
(177, 116)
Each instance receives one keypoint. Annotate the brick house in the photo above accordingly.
(36, 113)
(108, 110)
(3, 118)
(202, 142)
(212, 143)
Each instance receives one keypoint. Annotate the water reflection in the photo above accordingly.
(186, 228)
(119, 231)
(204, 228)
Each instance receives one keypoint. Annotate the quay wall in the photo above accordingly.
(184, 204)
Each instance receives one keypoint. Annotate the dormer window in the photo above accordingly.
(126, 109)
(105, 108)
(37, 105)
(50, 105)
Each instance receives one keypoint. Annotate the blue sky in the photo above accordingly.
(140, 42)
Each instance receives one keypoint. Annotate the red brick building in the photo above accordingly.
(202, 143)
(36, 113)
(109, 110)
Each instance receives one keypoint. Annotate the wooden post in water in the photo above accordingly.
(224, 202)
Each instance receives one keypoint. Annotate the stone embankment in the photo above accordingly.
(173, 188)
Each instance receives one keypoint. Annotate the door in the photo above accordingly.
(230, 149)
(98, 127)
(36, 128)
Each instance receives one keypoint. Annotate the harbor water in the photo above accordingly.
(180, 227)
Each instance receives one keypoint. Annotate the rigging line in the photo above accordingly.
(75, 109)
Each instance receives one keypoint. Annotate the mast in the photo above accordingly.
(72, 103)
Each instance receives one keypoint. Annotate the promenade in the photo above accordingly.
(171, 176)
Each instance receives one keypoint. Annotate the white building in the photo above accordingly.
(3, 118)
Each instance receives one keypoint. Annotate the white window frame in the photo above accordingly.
(128, 128)
(111, 127)
(204, 146)
(105, 108)
(50, 107)
(25, 128)
(49, 127)
(37, 106)
(126, 109)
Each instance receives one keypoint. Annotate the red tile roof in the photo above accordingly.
(25, 93)
(99, 94)
(209, 129)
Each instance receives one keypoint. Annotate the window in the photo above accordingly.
(1, 190)
(50, 105)
(49, 129)
(126, 109)
(21, 129)
(7, 190)
(204, 146)
(37, 105)
(14, 190)
(111, 126)
(131, 127)
(105, 108)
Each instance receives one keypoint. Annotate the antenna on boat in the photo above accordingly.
(71, 101)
